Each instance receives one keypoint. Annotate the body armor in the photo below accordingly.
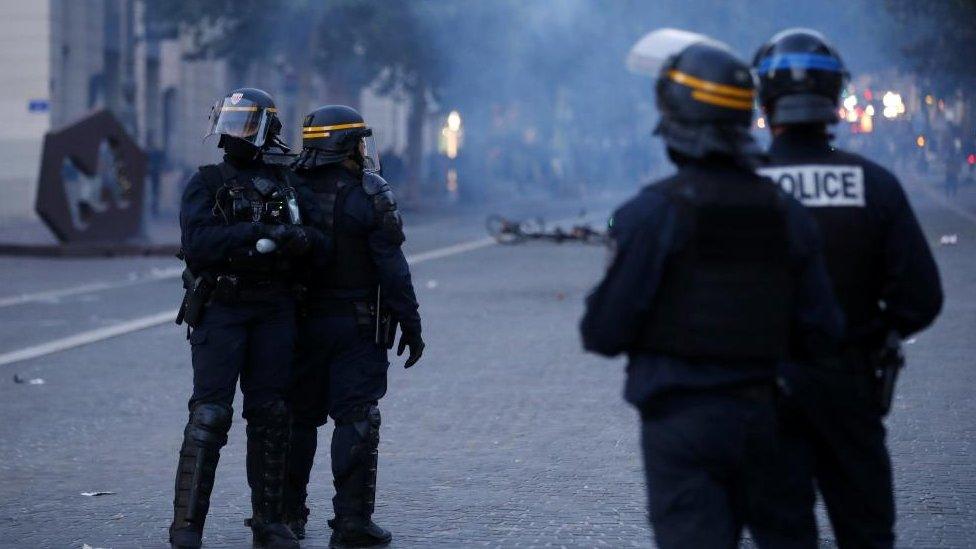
(252, 196)
(853, 239)
(727, 291)
(352, 266)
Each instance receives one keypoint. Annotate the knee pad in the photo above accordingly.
(357, 435)
(209, 424)
(274, 413)
(368, 414)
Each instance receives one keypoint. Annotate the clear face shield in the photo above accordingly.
(243, 119)
(369, 152)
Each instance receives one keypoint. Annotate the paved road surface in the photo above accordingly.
(505, 435)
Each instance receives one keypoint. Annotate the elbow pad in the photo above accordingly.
(384, 206)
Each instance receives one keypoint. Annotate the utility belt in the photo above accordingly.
(373, 319)
(756, 393)
(230, 288)
(227, 288)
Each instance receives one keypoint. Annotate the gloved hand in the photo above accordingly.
(292, 239)
(416, 344)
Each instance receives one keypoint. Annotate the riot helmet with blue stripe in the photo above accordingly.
(800, 77)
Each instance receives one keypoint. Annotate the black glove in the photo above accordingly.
(292, 239)
(416, 344)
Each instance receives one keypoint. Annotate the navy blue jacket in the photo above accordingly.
(645, 231)
(875, 250)
(208, 242)
(360, 217)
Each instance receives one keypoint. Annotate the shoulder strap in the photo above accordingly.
(211, 175)
(342, 193)
(227, 172)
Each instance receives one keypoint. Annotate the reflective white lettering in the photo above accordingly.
(820, 185)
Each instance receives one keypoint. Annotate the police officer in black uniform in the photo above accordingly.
(717, 277)
(882, 272)
(357, 295)
(241, 240)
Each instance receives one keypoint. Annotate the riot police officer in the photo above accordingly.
(241, 239)
(717, 277)
(882, 272)
(357, 294)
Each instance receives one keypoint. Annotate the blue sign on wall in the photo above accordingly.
(38, 105)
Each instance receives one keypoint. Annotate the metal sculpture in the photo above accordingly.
(94, 154)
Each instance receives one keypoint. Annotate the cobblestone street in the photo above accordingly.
(505, 435)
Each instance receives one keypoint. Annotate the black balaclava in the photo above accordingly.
(238, 149)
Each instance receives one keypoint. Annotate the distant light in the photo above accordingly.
(929, 100)
(868, 95)
(941, 105)
(867, 124)
(454, 121)
(850, 102)
(869, 110)
(920, 141)
(451, 133)
(971, 159)
(760, 122)
(852, 116)
(893, 105)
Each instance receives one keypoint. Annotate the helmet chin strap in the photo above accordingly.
(277, 141)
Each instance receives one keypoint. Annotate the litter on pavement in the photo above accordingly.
(948, 239)
(31, 381)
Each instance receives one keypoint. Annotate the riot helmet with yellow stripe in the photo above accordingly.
(705, 96)
(334, 133)
(246, 119)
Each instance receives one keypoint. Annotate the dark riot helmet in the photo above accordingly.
(333, 133)
(248, 114)
(705, 96)
(800, 78)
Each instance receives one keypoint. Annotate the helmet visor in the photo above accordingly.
(371, 155)
(243, 119)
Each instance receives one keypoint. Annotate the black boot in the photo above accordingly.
(267, 450)
(354, 458)
(205, 434)
(301, 455)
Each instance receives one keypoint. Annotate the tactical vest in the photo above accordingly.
(853, 239)
(351, 266)
(727, 289)
(237, 200)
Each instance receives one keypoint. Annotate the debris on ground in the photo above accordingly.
(97, 493)
(949, 240)
(31, 381)
(431, 284)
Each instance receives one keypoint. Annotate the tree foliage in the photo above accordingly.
(935, 38)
